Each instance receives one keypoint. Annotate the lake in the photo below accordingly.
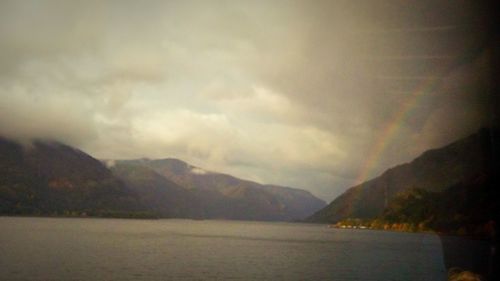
(118, 249)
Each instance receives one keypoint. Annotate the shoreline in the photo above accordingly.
(437, 233)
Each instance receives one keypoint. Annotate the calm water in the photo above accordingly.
(114, 249)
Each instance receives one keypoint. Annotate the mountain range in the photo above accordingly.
(51, 178)
(216, 195)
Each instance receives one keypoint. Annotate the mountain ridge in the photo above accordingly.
(434, 170)
(49, 178)
(244, 198)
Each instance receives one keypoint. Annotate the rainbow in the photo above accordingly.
(388, 133)
(399, 116)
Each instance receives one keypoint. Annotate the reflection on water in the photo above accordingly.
(113, 249)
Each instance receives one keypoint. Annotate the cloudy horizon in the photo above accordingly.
(295, 93)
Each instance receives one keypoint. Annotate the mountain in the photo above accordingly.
(463, 209)
(164, 197)
(50, 178)
(457, 166)
(223, 196)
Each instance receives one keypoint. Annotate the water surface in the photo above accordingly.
(116, 249)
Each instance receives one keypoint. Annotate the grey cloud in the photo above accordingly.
(24, 116)
(288, 92)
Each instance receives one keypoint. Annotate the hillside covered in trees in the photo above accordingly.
(450, 190)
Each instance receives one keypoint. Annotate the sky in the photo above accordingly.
(318, 95)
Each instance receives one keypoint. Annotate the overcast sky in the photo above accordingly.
(295, 93)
